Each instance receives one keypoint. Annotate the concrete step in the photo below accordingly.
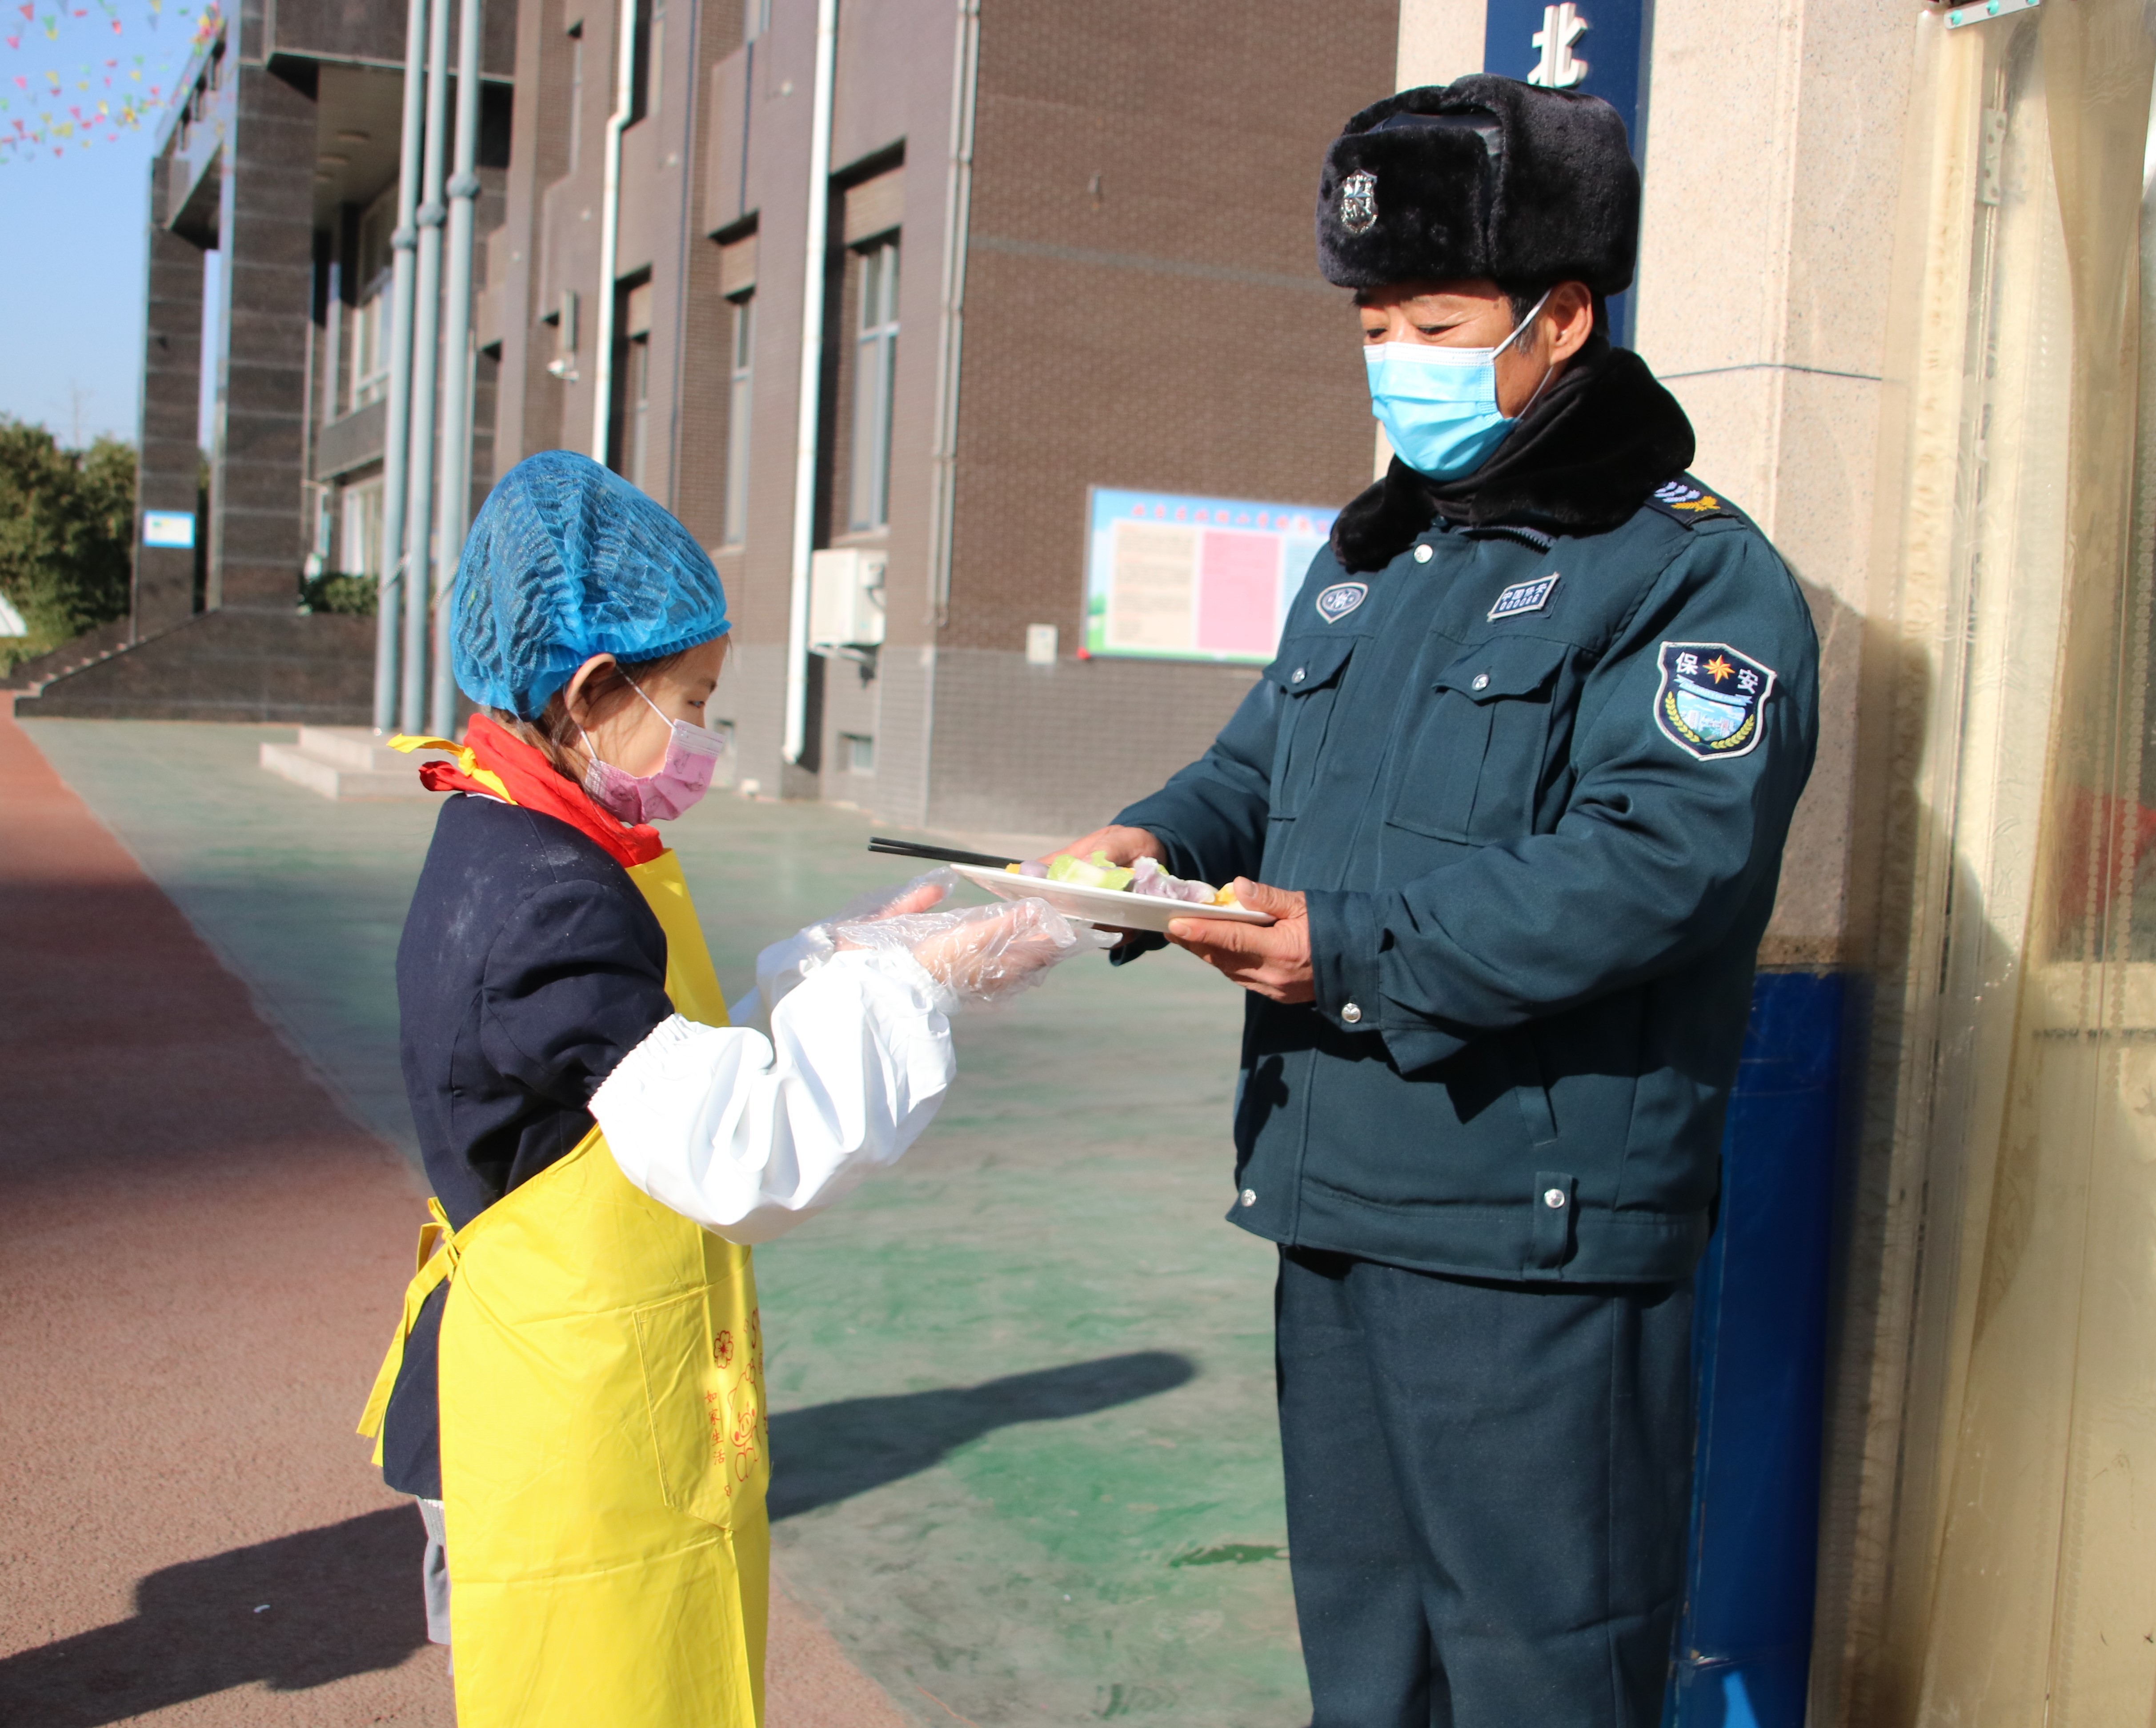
(358, 747)
(87, 650)
(347, 762)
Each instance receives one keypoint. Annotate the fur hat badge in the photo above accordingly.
(1484, 177)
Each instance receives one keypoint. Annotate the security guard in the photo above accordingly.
(1515, 789)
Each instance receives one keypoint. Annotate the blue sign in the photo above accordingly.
(168, 528)
(1598, 46)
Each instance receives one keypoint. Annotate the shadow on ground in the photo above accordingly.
(342, 1600)
(325, 1604)
(833, 1452)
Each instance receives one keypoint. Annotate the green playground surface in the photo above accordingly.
(1021, 1386)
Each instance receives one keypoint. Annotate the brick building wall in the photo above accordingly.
(1143, 310)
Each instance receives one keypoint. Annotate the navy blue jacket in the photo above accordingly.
(1536, 793)
(530, 966)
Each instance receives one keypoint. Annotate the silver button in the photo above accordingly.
(1553, 1198)
(1422, 554)
(1299, 674)
(1351, 1013)
(1481, 681)
(1249, 1197)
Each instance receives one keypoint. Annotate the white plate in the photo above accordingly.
(1108, 908)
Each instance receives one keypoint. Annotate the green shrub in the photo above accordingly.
(67, 536)
(333, 591)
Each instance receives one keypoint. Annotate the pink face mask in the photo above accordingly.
(692, 754)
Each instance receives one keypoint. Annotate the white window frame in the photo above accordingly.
(740, 394)
(360, 506)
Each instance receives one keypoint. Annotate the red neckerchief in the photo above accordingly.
(532, 783)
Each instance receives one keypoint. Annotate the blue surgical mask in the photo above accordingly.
(1439, 405)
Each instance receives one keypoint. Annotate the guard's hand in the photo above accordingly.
(1124, 846)
(1271, 958)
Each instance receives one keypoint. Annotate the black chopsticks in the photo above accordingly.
(940, 855)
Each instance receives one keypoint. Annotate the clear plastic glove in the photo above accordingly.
(981, 956)
(784, 964)
(919, 896)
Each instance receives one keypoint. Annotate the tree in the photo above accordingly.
(67, 536)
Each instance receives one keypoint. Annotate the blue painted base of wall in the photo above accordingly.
(1759, 1347)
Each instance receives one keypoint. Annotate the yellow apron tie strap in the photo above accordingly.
(438, 1255)
(467, 760)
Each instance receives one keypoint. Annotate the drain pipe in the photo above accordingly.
(957, 213)
(426, 358)
(950, 343)
(454, 507)
(809, 431)
(398, 412)
(625, 96)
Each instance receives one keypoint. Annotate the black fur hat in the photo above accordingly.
(1483, 177)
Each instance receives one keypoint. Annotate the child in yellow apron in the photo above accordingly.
(575, 1391)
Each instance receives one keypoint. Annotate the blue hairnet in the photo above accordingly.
(568, 560)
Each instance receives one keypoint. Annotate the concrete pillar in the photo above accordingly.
(1767, 238)
(1439, 40)
(168, 460)
(259, 530)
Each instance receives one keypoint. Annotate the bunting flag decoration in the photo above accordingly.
(59, 106)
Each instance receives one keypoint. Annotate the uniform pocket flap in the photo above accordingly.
(1307, 665)
(1510, 666)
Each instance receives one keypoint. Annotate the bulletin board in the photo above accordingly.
(1173, 577)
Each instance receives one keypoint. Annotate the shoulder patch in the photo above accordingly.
(1526, 596)
(1711, 699)
(1335, 603)
(1681, 501)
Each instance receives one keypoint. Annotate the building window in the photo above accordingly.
(875, 369)
(857, 752)
(638, 388)
(576, 94)
(737, 421)
(361, 553)
(370, 313)
(650, 46)
(756, 18)
(631, 452)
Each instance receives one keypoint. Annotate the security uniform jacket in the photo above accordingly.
(1534, 777)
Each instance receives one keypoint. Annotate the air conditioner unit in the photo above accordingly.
(845, 598)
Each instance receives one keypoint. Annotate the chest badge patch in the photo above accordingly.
(1335, 603)
(1526, 596)
(1358, 200)
(1711, 699)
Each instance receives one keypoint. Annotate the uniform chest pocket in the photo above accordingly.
(1308, 675)
(1476, 752)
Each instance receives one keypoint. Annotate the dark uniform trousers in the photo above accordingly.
(1487, 1487)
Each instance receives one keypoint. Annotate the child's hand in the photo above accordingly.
(982, 954)
(998, 953)
(919, 896)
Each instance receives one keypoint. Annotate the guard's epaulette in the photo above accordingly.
(1684, 499)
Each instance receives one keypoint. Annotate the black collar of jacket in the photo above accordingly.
(1582, 461)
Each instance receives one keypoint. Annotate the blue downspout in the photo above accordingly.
(1758, 1355)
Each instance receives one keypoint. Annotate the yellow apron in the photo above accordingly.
(604, 1450)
